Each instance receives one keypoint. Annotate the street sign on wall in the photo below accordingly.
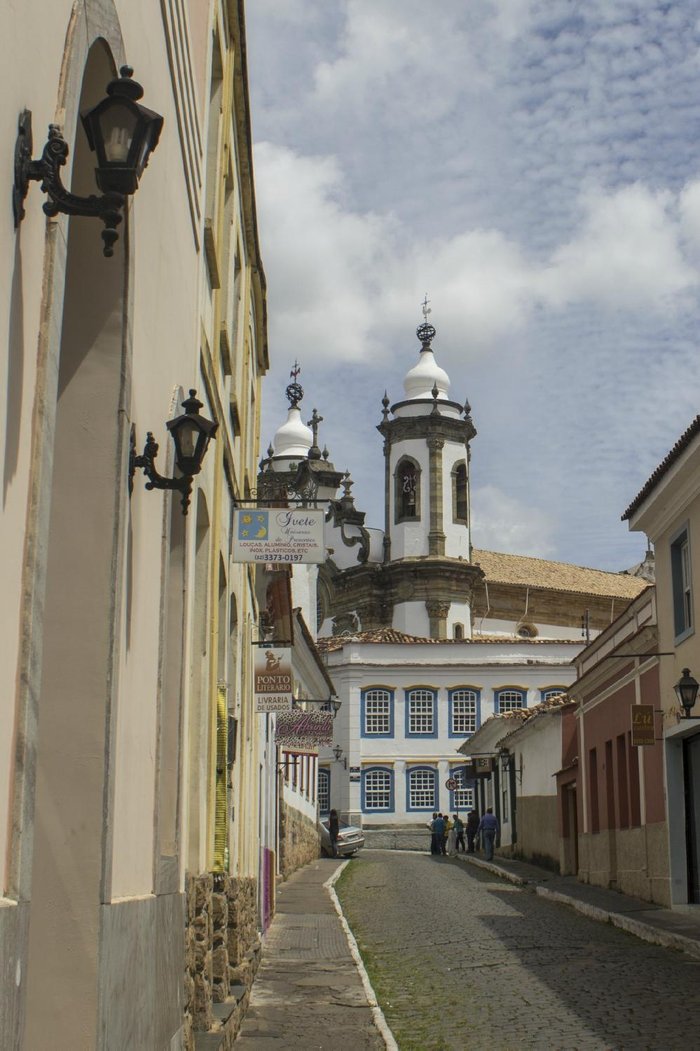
(643, 725)
(273, 678)
(278, 534)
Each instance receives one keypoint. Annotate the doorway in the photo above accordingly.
(691, 776)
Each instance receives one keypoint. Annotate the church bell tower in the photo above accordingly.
(427, 536)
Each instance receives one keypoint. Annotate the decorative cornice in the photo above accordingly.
(446, 427)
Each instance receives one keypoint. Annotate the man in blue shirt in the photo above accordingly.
(438, 833)
(488, 827)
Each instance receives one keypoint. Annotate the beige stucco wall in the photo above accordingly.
(538, 829)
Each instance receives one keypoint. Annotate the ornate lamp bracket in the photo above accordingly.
(147, 463)
(108, 207)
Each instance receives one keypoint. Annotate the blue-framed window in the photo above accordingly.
(551, 691)
(377, 712)
(421, 712)
(421, 788)
(462, 798)
(509, 698)
(324, 789)
(464, 711)
(377, 790)
(682, 585)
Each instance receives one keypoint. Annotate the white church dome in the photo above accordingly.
(426, 374)
(293, 438)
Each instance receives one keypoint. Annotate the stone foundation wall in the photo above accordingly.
(300, 840)
(222, 947)
(397, 838)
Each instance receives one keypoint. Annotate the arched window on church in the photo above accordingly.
(460, 510)
(407, 493)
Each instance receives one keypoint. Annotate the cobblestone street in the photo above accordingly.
(460, 959)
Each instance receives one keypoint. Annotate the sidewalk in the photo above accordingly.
(670, 928)
(308, 992)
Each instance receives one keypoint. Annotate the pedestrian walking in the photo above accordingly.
(333, 829)
(472, 829)
(433, 837)
(438, 833)
(459, 833)
(488, 828)
(452, 837)
(446, 832)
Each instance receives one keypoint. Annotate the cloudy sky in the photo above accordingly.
(534, 166)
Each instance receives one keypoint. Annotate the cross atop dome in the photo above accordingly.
(425, 332)
(295, 391)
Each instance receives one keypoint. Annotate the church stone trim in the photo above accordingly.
(372, 591)
(438, 613)
(436, 535)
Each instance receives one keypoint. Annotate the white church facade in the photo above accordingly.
(425, 637)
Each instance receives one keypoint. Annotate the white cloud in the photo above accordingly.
(342, 280)
(321, 259)
(626, 254)
(502, 523)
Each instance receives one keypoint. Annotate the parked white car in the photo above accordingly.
(350, 839)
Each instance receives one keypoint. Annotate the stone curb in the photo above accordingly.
(645, 931)
(377, 1013)
(511, 877)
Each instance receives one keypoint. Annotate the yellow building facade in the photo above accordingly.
(125, 680)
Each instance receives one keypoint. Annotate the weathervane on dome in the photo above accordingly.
(295, 391)
(425, 332)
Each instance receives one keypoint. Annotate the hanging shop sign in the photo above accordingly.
(481, 766)
(273, 678)
(278, 534)
(642, 725)
(304, 730)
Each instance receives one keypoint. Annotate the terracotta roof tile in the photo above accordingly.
(391, 636)
(504, 568)
(523, 715)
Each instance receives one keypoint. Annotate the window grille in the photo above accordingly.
(421, 789)
(509, 700)
(421, 712)
(464, 711)
(324, 791)
(377, 712)
(377, 790)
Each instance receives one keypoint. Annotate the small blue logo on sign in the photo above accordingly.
(253, 525)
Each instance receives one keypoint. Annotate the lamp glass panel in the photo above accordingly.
(117, 126)
(186, 439)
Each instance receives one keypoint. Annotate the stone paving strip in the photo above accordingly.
(308, 992)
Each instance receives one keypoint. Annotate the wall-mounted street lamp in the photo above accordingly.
(339, 757)
(686, 690)
(121, 133)
(191, 434)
